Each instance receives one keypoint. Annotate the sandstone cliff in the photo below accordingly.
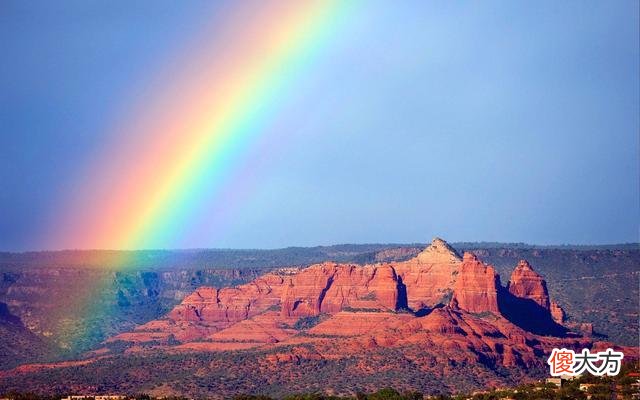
(476, 288)
(528, 284)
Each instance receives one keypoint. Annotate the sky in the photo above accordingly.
(505, 121)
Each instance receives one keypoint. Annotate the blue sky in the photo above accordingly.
(484, 121)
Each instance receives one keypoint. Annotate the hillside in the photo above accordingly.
(19, 344)
(98, 294)
(437, 322)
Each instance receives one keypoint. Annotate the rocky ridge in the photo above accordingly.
(435, 294)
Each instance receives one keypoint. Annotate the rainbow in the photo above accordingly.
(188, 139)
(185, 145)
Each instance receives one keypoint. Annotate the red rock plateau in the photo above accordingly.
(438, 306)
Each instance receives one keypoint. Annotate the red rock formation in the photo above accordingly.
(557, 313)
(229, 305)
(352, 301)
(438, 251)
(366, 287)
(528, 284)
(322, 288)
(208, 310)
(263, 328)
(329, 288)
(354, 323)
(476, 288)
(430, 276)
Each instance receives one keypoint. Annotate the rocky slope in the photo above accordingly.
(436, 317)
(18, 344)
(76, 307)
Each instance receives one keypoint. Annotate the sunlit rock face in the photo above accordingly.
(528, 284)
(476, 287)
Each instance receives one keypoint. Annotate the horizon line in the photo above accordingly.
(412, 244)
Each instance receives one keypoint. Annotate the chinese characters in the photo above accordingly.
(567, 362)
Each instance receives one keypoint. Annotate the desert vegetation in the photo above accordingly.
(625, 386)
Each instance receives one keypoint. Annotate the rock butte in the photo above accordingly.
(476, 287)
(528, 284)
